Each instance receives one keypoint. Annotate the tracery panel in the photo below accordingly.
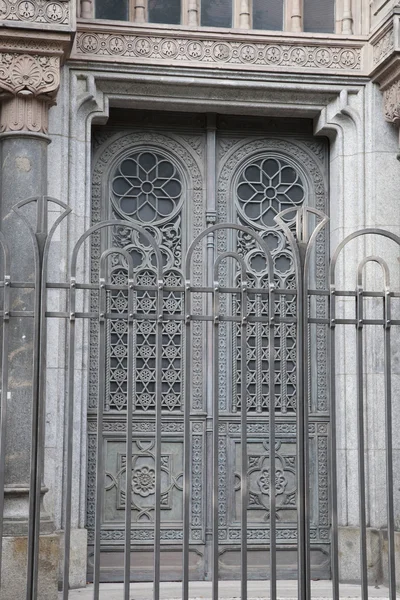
(266, 185)
(147, 188)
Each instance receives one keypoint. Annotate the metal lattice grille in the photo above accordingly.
(266, 186)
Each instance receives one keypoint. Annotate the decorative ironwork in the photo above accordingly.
(143, 468)
(266, 186)
(147, 188)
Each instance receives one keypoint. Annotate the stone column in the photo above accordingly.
(244, 15)
(193, 13)
(28, 84)
(347, 20)
(296, 16)
(87, 9)
(140, 11)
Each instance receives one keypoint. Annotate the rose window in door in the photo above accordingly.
(266, 187)
(146, 188)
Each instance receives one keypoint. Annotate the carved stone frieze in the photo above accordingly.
(383, 47)
(101, 45)
(391, 100)
(386, 65)
(36, 11)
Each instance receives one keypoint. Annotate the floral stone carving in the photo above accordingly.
(210, 52)
(36, 11)
(25, 74)
(28, 84)
(391, 99)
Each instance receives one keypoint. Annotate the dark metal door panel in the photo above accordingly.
(158, 180)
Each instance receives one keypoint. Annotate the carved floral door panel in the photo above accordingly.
(160, 177)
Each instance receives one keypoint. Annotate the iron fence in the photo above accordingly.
(302, 229)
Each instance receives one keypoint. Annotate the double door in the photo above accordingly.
(175, 175)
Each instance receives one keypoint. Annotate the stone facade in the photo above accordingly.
(61, 73)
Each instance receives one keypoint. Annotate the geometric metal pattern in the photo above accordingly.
(267, 185)
(147, 189)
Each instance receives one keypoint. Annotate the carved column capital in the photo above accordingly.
(28, 86)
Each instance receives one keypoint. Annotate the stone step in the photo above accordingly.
(228, 590)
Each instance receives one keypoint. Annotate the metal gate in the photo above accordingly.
(348, 308)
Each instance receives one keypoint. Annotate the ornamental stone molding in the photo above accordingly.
(383, 47)
(32, 13)
(391, 103)
(385, 44)
(94, 43)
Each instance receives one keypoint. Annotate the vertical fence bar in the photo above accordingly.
(37, 405)
(99, 449)
(243, 441)
(389, 444)
(69, 434)
(186, 443)
(4, 384)
(301, 434)
(129, 416)
(361, 446)
(301, 248)
(271, 365)
(158, 434)
(305, 365)
(215, 439)
(332, 438)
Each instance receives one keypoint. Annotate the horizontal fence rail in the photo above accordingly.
(228, 296)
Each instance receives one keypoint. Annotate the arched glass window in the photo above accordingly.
(216, 13)
(319, 16)
(268, 14)
(165, 11)
(109, 9)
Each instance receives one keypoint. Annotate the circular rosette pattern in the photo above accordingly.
(146, 188)
(143, 481)
(267, 186)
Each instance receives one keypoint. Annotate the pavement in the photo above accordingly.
(228, 590)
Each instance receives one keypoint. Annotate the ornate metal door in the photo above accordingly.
(175, 179)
